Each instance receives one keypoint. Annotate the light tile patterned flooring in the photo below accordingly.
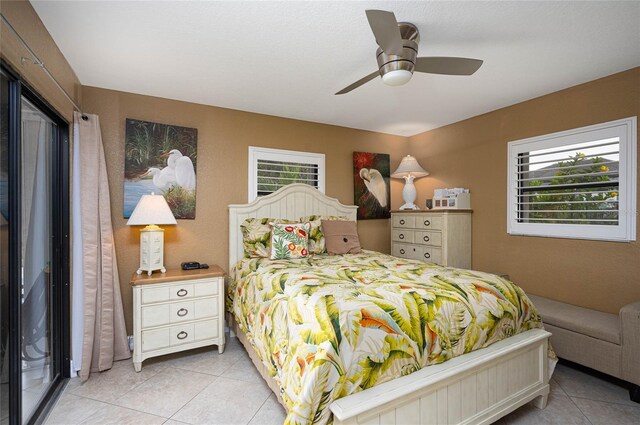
(204, 387)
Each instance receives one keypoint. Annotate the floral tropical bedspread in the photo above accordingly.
(329, 326)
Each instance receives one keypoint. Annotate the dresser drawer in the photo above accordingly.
(404, 221)
(170, 336)
(182, 291)
(429, 222)
(164, 314)
(405, 236)
(404, 250)
(426, 237)
(430, 254)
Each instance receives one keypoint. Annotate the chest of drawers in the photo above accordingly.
(177, 310)
(442, 237)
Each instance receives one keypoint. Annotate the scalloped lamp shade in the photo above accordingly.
(409, 169)
(151, 210)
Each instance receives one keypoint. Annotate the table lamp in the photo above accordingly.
(409, 169)
(151, 211)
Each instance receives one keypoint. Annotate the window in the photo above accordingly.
(577, 184)
(271, 169)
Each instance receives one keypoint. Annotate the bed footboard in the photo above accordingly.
(477, 388)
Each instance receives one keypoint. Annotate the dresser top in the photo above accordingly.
(175, 275)
(433, 210)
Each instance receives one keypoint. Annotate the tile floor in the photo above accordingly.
(203, 387)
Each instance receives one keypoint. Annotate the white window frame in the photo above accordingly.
(625, 231)
(268, 154)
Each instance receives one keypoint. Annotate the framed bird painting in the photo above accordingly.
(160, 158)
(371, 174)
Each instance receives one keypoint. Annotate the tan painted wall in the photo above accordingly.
(473, 154)
(27, 23)
(224, 136)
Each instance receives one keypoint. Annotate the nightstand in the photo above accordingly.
(177, 310)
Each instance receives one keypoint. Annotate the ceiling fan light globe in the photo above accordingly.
(397, 77)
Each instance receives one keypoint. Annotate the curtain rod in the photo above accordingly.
(36, 60)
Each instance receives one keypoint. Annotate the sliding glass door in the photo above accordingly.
(33, 252)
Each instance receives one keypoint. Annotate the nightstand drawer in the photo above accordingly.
(171, 336)
(428, 238)
(400, 220)
(428, 222)
(405, 236)
(164, 314)
(179, 292)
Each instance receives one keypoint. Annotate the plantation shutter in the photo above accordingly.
(271, 169)
(272, 175)
(579, 183)
(570, 184)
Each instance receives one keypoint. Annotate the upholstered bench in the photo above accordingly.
(609, 343)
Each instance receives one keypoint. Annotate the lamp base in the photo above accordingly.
(151, 250)
(409, 206)
(149, 272)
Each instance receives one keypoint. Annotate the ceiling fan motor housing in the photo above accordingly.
(405, 61)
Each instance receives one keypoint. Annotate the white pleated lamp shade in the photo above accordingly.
(409, 167)
(151, 209)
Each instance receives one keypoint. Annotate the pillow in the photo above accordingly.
(316, 237)
(289, 241)
(256, 236)
(341, 237)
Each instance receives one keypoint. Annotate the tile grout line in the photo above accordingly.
(261, 406)
(190, 400)
(607, 402)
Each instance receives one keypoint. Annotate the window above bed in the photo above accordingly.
(578, 184)
(271, 169)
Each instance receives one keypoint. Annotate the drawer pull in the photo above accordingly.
(181, 292)
(182, 312)
(427, 255)
(401, 251)
(182, 335)
(427, 223)
(426, 238)
(401, 236)
(414, 250)
(402, 222)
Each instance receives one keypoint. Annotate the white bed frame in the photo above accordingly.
(475, 388)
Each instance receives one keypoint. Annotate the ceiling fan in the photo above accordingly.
(398, 51)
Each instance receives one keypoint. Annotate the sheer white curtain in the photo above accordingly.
(99, 334)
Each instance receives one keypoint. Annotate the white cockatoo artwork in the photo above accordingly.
(371, 185)
(163, 178)
(375, 184)
(160, 159)
(182, 167)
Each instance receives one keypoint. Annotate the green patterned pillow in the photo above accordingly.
(289, 241)
(256, 236)
(316, 237)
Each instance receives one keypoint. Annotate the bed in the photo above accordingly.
(378, 370)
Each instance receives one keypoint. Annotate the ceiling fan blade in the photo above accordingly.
(447, 65)
(358, 83)
(385, 28)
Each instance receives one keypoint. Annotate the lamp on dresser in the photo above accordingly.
(409, 169)
(151, 211)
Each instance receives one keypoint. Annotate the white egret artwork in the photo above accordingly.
(371, 185)
(160, 158)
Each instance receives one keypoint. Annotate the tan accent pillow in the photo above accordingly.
(341, 237)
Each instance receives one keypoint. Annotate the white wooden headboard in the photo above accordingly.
(292, 202)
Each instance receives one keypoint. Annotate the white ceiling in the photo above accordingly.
(289, 58)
